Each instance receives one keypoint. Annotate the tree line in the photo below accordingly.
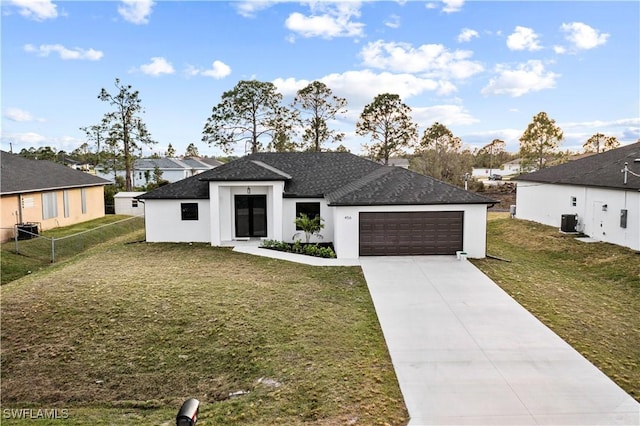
(253, 114)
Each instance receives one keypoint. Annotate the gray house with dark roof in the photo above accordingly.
(598, 195)
(368, 208)
(46, 193)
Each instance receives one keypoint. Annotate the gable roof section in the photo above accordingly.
(398, 186)
(343, 178)
(20, 175)
(600, 170)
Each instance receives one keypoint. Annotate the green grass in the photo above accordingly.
(587, 293)
(126, 332)
(35, 254)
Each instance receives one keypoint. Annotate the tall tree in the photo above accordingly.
(491, 154)
(600, 143)
(317, 104)
(171, 151)
(440, 155)
(127, 131)
(192, 151)
(96, 134)
(540, 140)
(250, 112)
(389, 123)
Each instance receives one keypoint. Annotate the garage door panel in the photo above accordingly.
(410, 233)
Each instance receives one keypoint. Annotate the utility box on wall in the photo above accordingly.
(569, 222)
(623, 218)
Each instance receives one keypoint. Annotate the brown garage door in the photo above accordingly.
(410, 233)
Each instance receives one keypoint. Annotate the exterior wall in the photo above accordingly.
(289, 216)
(546, 203)
(124, 204)
(222, 223)
(163, 222)
(29, 205)
(346, 226)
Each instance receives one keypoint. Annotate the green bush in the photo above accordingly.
(299, 248)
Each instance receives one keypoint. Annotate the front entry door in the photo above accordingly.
(251, 215)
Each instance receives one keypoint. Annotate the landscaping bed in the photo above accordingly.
(310, 249)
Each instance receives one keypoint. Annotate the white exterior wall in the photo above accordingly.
(546, 203)
(163, 222)
(289, 215)
(222, 221)
(346, 226)
(124, 204)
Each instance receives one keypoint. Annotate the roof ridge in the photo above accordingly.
(271, 168)
(359, 183)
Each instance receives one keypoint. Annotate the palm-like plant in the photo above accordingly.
(310, 226)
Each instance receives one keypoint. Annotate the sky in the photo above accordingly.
(483, 69)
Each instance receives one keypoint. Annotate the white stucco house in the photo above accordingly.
(594, 195)
(126, 203)
(368, 208)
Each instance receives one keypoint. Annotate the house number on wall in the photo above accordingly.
(348, 217)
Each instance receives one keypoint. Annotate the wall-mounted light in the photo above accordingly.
(604, 207)
(248, 190)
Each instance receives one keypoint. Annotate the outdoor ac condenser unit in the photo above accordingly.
(569, 222)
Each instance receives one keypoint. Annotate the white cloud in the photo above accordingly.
(451, 6)
(433, 60)
(466, 35)
(29, 138)
(38, 10)
(63, 52)
(360, 87)
(523, 38)
(17, 114)
(524, 78)
(327, 20)
(157, 66)
(393, 21)
(448, 115)
(249, 8)
(599, 124)
(136, 11)
(218, 70)
(584, 37)
(559, 49)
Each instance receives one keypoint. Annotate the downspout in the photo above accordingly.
(19, 208)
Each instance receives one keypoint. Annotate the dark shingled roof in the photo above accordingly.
(343, 178)
(20, 175)
(599, 170)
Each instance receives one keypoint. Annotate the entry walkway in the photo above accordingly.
(467, 353)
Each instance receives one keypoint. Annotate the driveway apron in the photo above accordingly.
(466, 353)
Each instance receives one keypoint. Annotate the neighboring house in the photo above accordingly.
(126, 203)
(511, 167)
(47, 194)
(605, 199)
(399, 162)
(173, 169)
(368, 208)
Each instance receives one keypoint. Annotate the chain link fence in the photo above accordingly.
(37, 246)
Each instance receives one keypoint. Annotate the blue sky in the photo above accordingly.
(482, 68)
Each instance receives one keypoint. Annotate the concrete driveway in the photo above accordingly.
(467, 353)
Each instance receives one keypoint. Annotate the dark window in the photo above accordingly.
(310, 209)
(134, 203)
(189, 211)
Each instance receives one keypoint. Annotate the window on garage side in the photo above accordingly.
(189, 211)
(310, 209)
(574, 201)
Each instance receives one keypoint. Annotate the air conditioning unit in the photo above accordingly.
(569, 222)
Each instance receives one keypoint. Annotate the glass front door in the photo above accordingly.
(251, 215)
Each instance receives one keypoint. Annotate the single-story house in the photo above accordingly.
(367, 208)
(126, 203)
(598, 195)
(173, 169)
(46, 194)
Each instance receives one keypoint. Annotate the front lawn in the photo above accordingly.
(588, 293)
(126, 332)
